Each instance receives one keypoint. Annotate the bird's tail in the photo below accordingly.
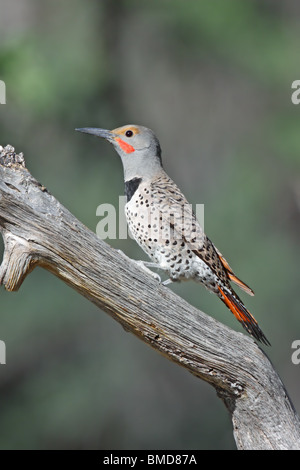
(243, 315)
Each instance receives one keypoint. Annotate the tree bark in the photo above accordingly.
(38, 231)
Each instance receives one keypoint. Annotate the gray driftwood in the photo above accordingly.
(39, 231)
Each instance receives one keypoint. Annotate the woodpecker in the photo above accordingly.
(164, 225)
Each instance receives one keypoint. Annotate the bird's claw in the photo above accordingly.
(146, 264)
(143, 265)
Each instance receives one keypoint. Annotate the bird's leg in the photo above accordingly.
(144, 265)
(149, 264)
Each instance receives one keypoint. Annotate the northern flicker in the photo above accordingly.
(164, 224)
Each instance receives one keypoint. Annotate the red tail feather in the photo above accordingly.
(243, 315)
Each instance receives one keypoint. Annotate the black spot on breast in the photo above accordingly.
(131, 186)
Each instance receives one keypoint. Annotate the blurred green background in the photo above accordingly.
(213, 80)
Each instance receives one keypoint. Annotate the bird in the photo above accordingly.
(164, 224)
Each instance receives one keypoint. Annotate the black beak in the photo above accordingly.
(104, 133)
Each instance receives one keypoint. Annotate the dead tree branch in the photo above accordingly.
(39, 231)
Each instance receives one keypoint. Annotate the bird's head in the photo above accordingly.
(137, 146)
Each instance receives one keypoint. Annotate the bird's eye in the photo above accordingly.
(129, 133)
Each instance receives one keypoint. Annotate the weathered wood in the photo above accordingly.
(39, 231)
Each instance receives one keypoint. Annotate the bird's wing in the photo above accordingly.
(177, 213)
(182, 220)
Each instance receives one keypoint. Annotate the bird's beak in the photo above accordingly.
(104, 133)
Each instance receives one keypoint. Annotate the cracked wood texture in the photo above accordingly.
(38, 231)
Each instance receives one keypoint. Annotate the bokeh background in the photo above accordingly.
(213, 80)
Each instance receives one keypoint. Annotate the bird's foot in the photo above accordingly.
(144, 265)
(149, 264)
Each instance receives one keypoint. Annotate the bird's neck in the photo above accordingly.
(145, 169)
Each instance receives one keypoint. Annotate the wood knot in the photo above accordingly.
(8, 157)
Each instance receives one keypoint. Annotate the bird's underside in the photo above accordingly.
(164, 225)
